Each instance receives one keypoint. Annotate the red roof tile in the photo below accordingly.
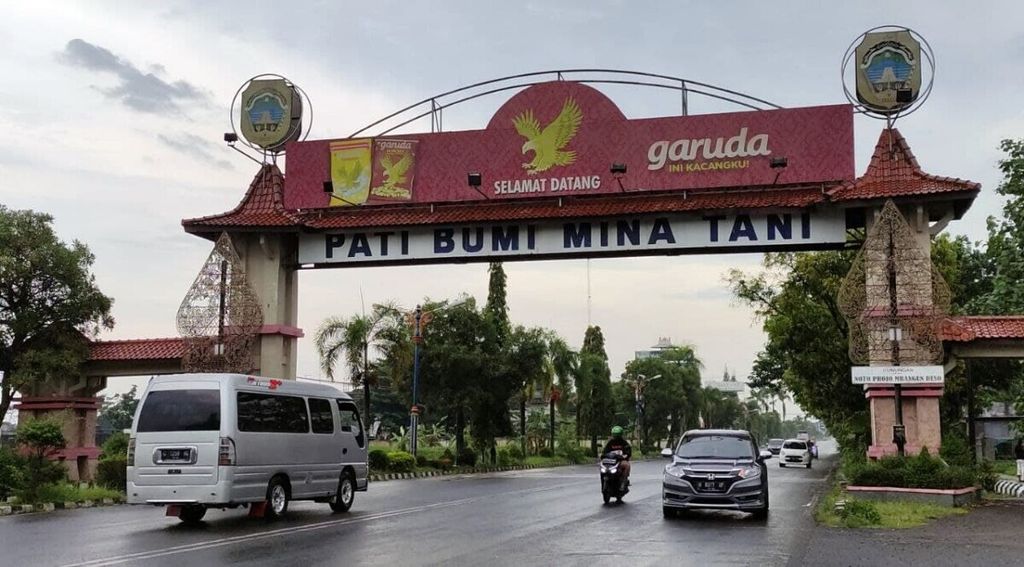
(578, 207)
(894, 172)
(966, 329)
(261, 207)
(137, 349)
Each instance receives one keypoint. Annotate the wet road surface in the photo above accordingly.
(537, 517)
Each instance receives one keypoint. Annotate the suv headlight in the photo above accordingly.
(675, 470)
(752, 471)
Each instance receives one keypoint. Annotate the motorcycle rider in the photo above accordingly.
(618, 443)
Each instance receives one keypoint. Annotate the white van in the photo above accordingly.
(222, 440)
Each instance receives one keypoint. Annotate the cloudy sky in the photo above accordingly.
(114, 113)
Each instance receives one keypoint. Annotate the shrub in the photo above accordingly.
(504, 458)
(42, 438)
(467, 457)
(446, 460)
(922, 471)
(515, 452)
(546, 452)
(65, 492)
(859, 514)
(113, 473)
(987, 475)
(115, 447)
(11, 472)
(421, 460)
(400, 461)
(378, 459)
(955, 451)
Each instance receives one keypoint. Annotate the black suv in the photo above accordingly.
(716, 468)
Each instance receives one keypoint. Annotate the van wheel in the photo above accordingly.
(192, 514)
(342, 501)
(277, 498)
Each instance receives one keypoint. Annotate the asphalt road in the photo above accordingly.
(538, 517)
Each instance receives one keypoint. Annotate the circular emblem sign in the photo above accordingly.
(270, 112)
(888, 66)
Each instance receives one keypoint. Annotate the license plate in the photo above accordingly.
(712, 486)
(176, 455)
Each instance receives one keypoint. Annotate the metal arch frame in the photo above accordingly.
(522, 80)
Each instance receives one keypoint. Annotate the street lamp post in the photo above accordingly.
(414, 412)
(419, 318)
(638, 390)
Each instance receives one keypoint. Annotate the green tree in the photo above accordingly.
(595, 406)
(48, 301)
(40, 439)
(352, 338)
(119, 409)
(806, 353)
(561, 364)
(496, 308)
(455, 368)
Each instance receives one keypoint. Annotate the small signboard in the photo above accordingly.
(882, 375)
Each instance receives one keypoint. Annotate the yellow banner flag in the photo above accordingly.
(350, 171)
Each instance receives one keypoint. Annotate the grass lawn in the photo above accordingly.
(1005, 467)
(886, 515)
(71, 493)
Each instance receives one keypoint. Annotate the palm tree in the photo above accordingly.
(352, 338)
(560, 368)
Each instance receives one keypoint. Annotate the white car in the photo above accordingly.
(795, 452)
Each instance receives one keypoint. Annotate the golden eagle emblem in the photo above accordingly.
(549, 145)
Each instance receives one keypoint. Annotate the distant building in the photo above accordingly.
(664, 343)
(722, 386)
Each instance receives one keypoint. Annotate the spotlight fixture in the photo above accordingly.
(618, 169)
(328, 187)
(778, 162)
(905, 96)
(475, 179)
(230, 137)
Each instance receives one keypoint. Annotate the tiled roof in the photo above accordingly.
(970, 328)
(594, 206)
(137, 349)
(894, 172)
(261, 207)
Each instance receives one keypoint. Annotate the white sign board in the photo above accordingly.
(578, 238)
(872, 375)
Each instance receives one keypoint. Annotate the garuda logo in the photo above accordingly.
(548, 145)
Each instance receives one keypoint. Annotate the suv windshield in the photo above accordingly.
(715, 447)
(795, 445)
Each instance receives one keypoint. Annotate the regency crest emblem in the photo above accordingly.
(271, 114)
(548, 145)
(888, 70)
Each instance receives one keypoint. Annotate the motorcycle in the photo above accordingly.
(611, 477)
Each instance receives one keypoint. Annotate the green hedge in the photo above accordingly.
(113, 473)
(922, 471)
(378, 460)
(402, 462)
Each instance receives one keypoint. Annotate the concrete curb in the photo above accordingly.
(382, 477)
(1010, 488)
(13, 509)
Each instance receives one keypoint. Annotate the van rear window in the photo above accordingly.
(180, 410)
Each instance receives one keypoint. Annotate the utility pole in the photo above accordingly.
(899, 431)
(414, 412)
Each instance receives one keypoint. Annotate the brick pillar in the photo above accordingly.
(920, 403)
